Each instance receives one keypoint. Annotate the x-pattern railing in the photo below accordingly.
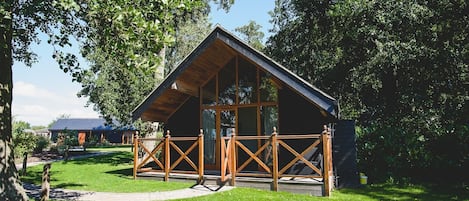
(164, 146)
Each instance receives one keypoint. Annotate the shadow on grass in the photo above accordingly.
(118, 158)
(124, 173)
(411, 192)
(68, 185)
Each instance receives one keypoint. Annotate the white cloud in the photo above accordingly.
(40, 106)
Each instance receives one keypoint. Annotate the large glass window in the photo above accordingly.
(268, 91)
(247, 82)
(210, 135)
(209, 94)
(227, 84)
(269, 119)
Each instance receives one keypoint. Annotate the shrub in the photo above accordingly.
(41, 144)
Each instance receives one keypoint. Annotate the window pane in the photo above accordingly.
(268, 91)
(227, 122)
(227, 84)
(209, 94)
(210, 137)
(269, 119)
(247, 76)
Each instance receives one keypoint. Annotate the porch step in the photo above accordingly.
(300, 186)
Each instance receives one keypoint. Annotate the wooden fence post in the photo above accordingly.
(327, 158)
(45, 182)
(135, 154)
(167, 160)
(274, 161)
(201, 156)
(232, 159)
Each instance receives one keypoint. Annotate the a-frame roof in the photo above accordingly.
(207, 59)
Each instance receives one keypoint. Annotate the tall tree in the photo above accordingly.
(399, 67)
(101, 21)
(252, 34)
(118, 81)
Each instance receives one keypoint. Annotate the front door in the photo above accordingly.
(216, 124)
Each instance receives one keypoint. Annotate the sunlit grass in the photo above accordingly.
(367, 193)
(107, 173)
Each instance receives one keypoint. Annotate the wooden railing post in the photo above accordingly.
(167, 160)
(274, 161)
(201, 156)
(232, 159)
(223, 152)
(327, 159)
(135, 139)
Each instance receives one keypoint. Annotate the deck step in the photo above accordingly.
(300, 186)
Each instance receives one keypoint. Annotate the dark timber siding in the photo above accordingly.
(298, 116)
(185, 122)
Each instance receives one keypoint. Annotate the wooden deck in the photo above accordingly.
(307, 186)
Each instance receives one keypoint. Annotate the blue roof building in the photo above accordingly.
(92, 130)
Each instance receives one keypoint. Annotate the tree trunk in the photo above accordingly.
(10, 185)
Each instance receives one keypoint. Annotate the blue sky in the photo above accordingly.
(43, 92)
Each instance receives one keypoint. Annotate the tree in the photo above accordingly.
(21, 21)
(252, 34)
(116, 86)
(399, 67)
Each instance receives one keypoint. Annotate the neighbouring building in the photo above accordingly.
(91, 130)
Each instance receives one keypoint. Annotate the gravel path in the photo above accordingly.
(64, 194)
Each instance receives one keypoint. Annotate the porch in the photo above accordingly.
(276, 163)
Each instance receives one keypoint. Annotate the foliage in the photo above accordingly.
(114, 171)
(24, 142)
(400, 68)
(252, 34)
(113, 27)
(125, 69)
(41, 144)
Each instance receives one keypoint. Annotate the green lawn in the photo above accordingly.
(113, 173)
(108, 173)
(124, 148)
(368, 193)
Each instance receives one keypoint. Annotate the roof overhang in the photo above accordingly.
(204, 62)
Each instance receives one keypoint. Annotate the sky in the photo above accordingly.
(43, 92)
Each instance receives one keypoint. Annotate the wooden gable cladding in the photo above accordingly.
(166, 105)
(205, 61)
(187, 84)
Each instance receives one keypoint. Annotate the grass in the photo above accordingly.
(107, 173)
(113, 173)
(368, 193)
(123, 148)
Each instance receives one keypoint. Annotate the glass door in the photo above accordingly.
(216, 124)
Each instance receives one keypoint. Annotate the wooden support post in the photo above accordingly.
(326, 169)
(201, 156)
(232, 159)
(25, 163)
(274, 161)
(167, 160)
(223, 152)
(45, 182)
(135, 139)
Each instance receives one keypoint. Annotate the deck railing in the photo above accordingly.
(269, 146)
(230, 147)
(164, 145)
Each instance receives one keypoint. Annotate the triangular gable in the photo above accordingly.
(216, 49)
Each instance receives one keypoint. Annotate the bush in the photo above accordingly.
(23, 143)
(41, 144)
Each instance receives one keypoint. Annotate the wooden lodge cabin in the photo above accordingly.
(247, 115)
